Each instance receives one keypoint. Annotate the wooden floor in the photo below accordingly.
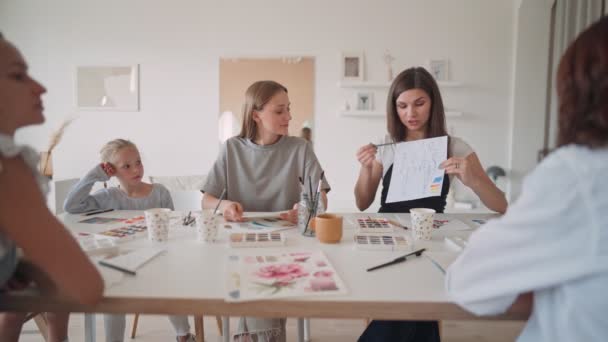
(158, 328)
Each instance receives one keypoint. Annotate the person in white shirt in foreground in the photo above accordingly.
(550, 250)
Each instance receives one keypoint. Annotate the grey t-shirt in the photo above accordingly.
(80, 200)
(264, 178)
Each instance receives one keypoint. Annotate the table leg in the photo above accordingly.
(306, 329)
(89, 327)
(300, 329)
(226, 328)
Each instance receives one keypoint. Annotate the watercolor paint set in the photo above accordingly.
(102, 220)
(374, 225)
(135, 228)
(456, 243)
(381, 242)
(94, 246)
(238, 240)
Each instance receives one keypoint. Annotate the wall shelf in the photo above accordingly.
(370, 85)
(378, 114)
(362, 113)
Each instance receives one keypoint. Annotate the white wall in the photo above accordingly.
(178, 45)
(533, 21)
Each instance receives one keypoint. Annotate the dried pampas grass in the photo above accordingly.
(55, 139)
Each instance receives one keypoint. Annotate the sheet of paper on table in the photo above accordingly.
(272, 275)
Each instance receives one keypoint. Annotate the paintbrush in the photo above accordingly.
(396, 224)
(380, 145)
(220, 201)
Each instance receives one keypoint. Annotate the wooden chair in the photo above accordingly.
(40, 321)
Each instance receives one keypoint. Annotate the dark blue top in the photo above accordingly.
(436, 202)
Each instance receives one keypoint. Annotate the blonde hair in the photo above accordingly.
(256, 96)
(111, 148)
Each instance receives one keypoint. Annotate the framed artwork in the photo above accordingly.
(439, 69)
(111, 88)
(352, 67)
(365, 101)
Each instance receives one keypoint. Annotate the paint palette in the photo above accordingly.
(96, 246)
(381, 242)
(256, 239)
(376, 225)
(125, 233)
(456, 243)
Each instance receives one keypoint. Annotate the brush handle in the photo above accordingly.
(380, 145)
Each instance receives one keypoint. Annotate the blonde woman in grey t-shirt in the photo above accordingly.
(260, 170)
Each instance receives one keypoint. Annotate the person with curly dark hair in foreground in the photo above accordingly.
(550, 250)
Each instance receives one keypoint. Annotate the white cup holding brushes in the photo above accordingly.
(207, 222)
(206, 226)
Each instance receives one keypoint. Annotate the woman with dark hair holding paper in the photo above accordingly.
(414, 112)
(549, 251)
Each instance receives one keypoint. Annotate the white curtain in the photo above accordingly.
(571, 17)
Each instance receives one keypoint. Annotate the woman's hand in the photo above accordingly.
(291, 215)
(366, 155)
(461, 168)
(108, 169)
(233, 211)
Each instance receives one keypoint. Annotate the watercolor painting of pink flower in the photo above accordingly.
(284, 275)
(301, 259)
(300, 256)
(323, 273)
(320, 284)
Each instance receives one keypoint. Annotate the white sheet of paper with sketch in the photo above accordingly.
(416, 172)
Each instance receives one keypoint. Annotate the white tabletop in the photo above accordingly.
(189, 277)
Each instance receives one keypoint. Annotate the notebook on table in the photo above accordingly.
(129, 263)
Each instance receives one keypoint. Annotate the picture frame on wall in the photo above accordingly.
(439, 69)
(107, 87)
(365, 101)
(352, 67)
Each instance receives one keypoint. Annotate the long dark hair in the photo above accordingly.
(415, 78)
(582, 89)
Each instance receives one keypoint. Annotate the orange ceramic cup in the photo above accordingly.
(328, 228)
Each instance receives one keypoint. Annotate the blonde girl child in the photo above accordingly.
(120, 158)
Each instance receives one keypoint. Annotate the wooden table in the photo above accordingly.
(189, 278)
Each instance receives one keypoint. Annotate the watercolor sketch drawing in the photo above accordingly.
(257, 276)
